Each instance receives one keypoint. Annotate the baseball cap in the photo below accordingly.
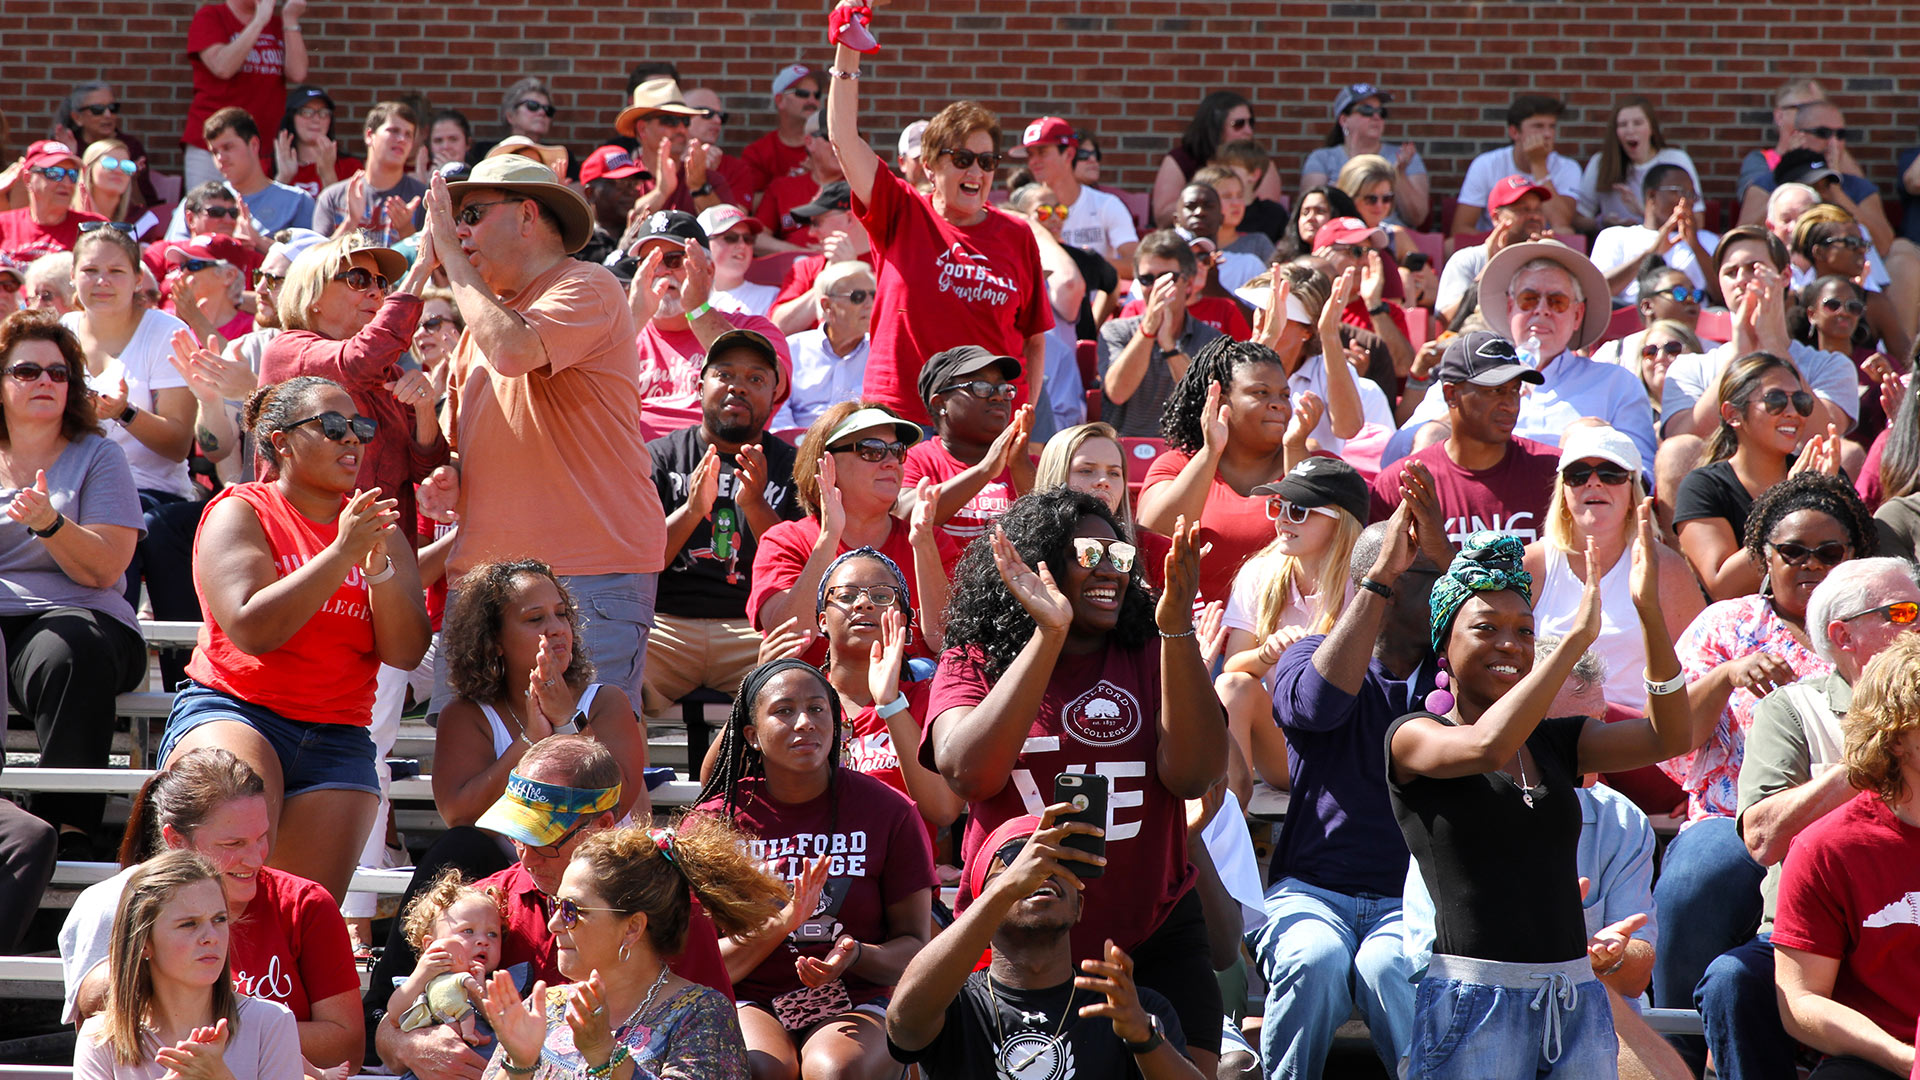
(1348, 230)
(747, 339)
(1050, 131)
(835, 196)
(715, 220)
(1804, 166)
(1511, 189)
(789, 75)
(538, 814)
(911, 137)
(949, 364)
(1018, 828)
(609, 163)
(49, 152)
(1484, 358)
(8, 266)
(1344, 100)
(1322, 481)
(213, 248)
(674, 225)
(1606, 443)
(296, 244)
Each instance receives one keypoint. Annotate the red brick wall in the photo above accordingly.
(1130, 70)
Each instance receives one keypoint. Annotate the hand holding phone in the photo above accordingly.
(1087, 794)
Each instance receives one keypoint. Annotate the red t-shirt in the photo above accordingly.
(801, 274)
(879, 856)
(426, 531)
(1511, 497)
(1152, 555)
(765, 159)
(930, 459)
(23, 239)
(526, 939)
(872, 750)
(1216, 311)
(1850, 891)
(1235, 524)
(670, 372)
(783, 551)
(775, 210)
(1355, 314)
(291, 946)
(307, 179)
(1099, 713)
(260, 86)
(324, 673)
(942, 285)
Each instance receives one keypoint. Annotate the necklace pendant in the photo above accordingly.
(1527, 795)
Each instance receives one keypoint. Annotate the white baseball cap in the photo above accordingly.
(1605, 443)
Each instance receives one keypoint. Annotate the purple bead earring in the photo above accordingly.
(1440, 700)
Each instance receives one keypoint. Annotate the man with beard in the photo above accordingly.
(723, 481)
(1032, 1012)
(669, 300)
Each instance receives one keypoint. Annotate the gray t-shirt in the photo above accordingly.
(1139, 415)
(332, 204)
(91, 484)
(1329, 160)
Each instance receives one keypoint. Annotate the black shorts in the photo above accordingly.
(1175, 961)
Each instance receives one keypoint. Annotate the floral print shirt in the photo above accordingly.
(691, 1035)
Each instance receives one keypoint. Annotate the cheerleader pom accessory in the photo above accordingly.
(847, 25)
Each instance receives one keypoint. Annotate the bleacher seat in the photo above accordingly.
(772, 269)
(1432, 244)
(1624, 321)
(1419, 330)
(1715, 326)
(1139, 204)
(1087, 355)
(1141, 453)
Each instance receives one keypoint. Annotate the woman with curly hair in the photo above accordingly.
(1736, 652)
(1060, 660)
(621, 914)
(812, 977)
(1511, 990)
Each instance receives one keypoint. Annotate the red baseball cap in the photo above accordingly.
(1511, 189)
(609, 163)
(1050, 131)
(49, 152)
(1348, 230)
(213, 248)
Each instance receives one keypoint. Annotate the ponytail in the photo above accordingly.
(656, 872)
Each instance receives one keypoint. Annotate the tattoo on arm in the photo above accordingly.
(208, 443)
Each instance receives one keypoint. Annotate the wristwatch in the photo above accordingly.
(1158, 1035)
(703, 189)
(127, 414)
(1380, 308)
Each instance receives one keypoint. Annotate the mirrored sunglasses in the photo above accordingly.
(1089, 550)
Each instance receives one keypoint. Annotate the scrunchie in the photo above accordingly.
(663, 840)
(1487, 562)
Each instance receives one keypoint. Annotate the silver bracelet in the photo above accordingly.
(1672, 685)
(1169, 637)
(838, 74)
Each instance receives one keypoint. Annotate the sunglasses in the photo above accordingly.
(57, 173)
(1851, 307)
(1378, 200)
(1831, 553)
(535, 106)
(435, 323)
(1577, 474)
(733, 238)
(1245, 123)
(1682, 293)
(1371, 110)
(849, 595)
(1089, 550)
(804, 94)
(1008, 853)
(100, 110)
(668, 120)
(118, 226)
(110, 163)
(570, 911)
(721, 115)
(471, 213)
(1776, 401)
(1671, 348)
(965, 159)
(1901, 613)
(874, 451)
(982, 389)
(1851, 243)
(221, 212)
(673, 260)
(1086, 154)
(1280, 509)
(1351, 251)
(194, 266)
(335, 427)
(28, 372)
(261, 277)
(1844, 134)
(360, 279)
(1146, 281)
(1043, 211)
(856, 297)
(1558, 303)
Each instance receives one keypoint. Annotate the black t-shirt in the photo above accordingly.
(1504, 876)
(1100, 276)
(696, 585)
(1265, 216)
(1713, 491)
(969, 1046)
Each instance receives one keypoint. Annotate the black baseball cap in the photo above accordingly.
(1322, 481)
(1484, 358)
(949, 364)
(750, 340)
(674, 224)
(835, 196)
(1803, 166)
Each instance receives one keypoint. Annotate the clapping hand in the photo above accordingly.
(888, 656)
(32, 507)
(438, 494)
(110, 406)
(550, 699)
(1210, 627)
(786, 640)
(587, 1016)
(1307, 411)
(648, 288)
(1820, 454)
(1643, 577)
(365, 524)
(521, 1026)
(1215, 416)
(833, 505)
(286, 160)
(1586, 617)
(209, 375)
(1269, 321)
(1174, 611)
(199, 1056)
(1035, 590)
(819, 971)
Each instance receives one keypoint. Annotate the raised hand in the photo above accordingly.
(1586, 617)
(1373, 280)
(838, 247)
(703, 487)
(292, 9)
(1113, 976)
(806, 893)
(357, 208)
(1047, 856)
(819, 971)
(1270, 321)
(1214, 415)
(400, 215)
(643, 296)
(666, 178)
(926, 502)
(548, 694)
(788, 639)
(365, 524)
(698, 285)
(1418, 493)
(438, 494)
(587, 1016)
(833, 506)
(888, 656)
(1153, 320)
(1307, 411)
(286, 161)
(750, 474)
(1893, 390)
(1398, 551)
(695, 164)
(1210, 627)
(521, 1026)
(1012, 439)
(1174, 611)
(1036, 591)
(247, 232)
(32, 507)
(209, 375)
(1643, 578)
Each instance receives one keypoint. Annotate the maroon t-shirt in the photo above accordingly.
(1511, 497)
(879, 856)
(1099, 713)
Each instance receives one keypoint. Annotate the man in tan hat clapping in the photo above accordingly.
(658, 121)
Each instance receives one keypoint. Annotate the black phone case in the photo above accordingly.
(1067, 787)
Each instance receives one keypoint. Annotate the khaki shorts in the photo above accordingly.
(685, 654)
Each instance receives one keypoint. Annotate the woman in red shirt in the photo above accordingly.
(305, 154)
(308, 585)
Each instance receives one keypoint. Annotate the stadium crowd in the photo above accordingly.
(1035, 530)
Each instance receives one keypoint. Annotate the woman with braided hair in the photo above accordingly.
(811, 978)
(1482, 782)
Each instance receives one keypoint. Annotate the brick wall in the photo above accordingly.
(1130, 70)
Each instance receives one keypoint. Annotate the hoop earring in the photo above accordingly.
(625, 952)
(1440, 700)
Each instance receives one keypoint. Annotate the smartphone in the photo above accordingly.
(1087, 793)
(1415, 261)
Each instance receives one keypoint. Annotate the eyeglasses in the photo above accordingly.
(553, 850)
(1577, 474)
(982, 389)
(435, 322)
(232, 212)
(1676, 192)
(360, 279)
(471, 213)
(194, 266)
(1831, 553)
(803, 94)
(734, 238)
(966, 159)
(1378, 200)
(1900, 613)
(261, 277)
(335, 426)
(110, 163)
(849, 595)
(1851, 307)
(1844, 134)
(1851, 243)
(28, 372)
(100, 110)
(1558, 303)
(1281, 509)
(536, 106)
(1043, 211)
(1088, 551)
(117, 226)
(1146, 281)
(873, 451)
(1682, 293)
(1671, 348)
(856, 297)
(570, 912)
(1776, 401)
(314, 112)
(57, 173)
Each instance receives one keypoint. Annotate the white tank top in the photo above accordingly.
(502, 738)
(1621, 642)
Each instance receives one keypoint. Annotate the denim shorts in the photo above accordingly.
(1482, 1020)
(313, 757)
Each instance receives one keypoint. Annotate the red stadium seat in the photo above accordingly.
(1087, 354)
(772, 269)
(1140, 453)
(1139, 204)
(1433, 245)
(1715, 326)
(1624, 321)
(1419, 327)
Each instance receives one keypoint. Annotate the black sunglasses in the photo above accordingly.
(982, 389)
(1371, 110)
(1086, 154)
(534, 106)
(220, 212)
(360, 279)
(435, 322)
(965, 159)
(721, 115)
(857, 296)
(1577, 474)
(335, 427)
(804, 94)
(1831, 553)
(1851, 307)
(1146, 281)
(1851, 243)
(1844, 134)
(1776, 401)
(874, 450)
(101, 110)
(117, 226)
(27, 372)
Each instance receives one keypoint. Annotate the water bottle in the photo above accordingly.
(1530, 352)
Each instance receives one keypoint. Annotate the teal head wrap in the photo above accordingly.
(1487, 562)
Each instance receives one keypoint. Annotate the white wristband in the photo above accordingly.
(1672, 685)
(892, 708)
(383, 576)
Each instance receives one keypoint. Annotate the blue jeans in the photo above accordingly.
(1709, 892)
(616, 615)
(1742, 1015)
(1321, 952)
(1481, 1020)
